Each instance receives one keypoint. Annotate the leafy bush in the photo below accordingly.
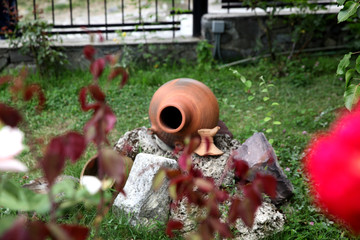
(33, 38)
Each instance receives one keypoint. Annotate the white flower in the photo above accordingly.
(91, 183)
(10, 145)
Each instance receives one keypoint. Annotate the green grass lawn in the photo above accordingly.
(308, 93)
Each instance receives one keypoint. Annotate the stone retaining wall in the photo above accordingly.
(154, 51)
(245, 34)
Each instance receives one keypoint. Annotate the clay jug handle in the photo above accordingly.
(152, 130)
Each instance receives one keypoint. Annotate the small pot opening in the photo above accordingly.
(171, 117)
(91, 168)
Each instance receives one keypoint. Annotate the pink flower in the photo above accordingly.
(311, 223)
(333, 165)
(11, 145)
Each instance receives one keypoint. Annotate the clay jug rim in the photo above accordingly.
(93, 158)
(163, 126)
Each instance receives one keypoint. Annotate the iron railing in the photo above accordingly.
(124, 24)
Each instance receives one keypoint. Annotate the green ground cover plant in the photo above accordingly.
(303, 110)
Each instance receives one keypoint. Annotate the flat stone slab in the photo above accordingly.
(141, 202)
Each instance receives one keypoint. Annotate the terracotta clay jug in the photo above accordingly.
(181, 107)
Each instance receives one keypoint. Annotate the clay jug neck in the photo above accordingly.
(174, 116)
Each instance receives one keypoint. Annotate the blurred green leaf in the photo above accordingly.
(348, 76)
(248, 84)
(266, 119)
(348, 10)
(343, 64)
(357, 64)
(351, 96)
(17, 198)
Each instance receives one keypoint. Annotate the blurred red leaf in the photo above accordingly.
(54, 160)
(241, 168)
(234, 210)
(97, 67)
(185, 158)
(173, 225)
(76, 232)
(222, 228)
(96, 93)
(17, 231)
(101, 37)
(184, 162)
(116, 72)
(74, 144)
(112, 164)
(24, 229)
(250, 204)
(110, 119)
(213, 207)
(94, 128)
(18, 82)
(37, 230)
(82, 99)
(89, 52)
(206, 231)
(204, 185)
(172, 173)
(100, 124)
(111, 59)
(5, 79)
(222, 195)
(9, 116)
(193, 145)
(35, 89)
(251, 193)
(196, 172)
(266, 183)
(246, 208)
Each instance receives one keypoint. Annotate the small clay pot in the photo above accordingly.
(91, 168)
(181, 107)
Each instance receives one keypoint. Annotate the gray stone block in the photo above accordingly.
(261, 157)
(141, 202)
(245, 34)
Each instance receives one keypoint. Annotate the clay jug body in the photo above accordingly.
(181, 107)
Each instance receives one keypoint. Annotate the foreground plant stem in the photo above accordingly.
(52, 206)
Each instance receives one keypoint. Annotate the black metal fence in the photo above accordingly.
(168, 23)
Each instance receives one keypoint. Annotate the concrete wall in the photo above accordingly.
(245, 34)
